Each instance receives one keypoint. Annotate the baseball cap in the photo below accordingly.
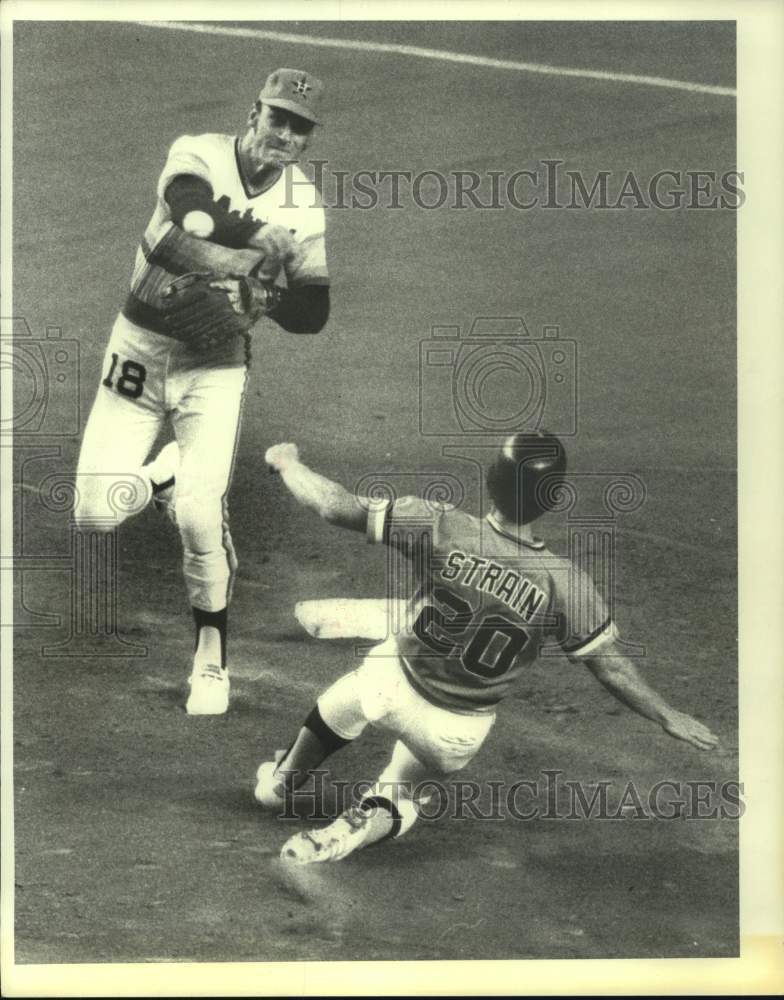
(293, 90)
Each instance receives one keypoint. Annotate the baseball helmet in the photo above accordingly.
(516, 479)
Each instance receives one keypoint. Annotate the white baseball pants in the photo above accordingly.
(148, 379)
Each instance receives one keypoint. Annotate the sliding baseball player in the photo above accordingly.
(487, 595)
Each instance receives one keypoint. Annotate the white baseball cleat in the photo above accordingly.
(162, 473)
(209, 690)
(270, 791)
(330, 843)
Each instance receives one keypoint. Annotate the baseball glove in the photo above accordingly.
(207, 311)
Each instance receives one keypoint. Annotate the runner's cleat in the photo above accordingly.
(270, 791)
(209, 690)
(330, 843)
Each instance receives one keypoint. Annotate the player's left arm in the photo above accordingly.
(590, 637)
(622, 679)
(304, 304)
(331, 501)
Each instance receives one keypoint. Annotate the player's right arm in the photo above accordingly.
(337, 505)
(185, 188)
(331, 501)
(304, 309)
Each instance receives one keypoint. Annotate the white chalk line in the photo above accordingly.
(440, 55)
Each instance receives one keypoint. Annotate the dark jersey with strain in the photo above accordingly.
(482, 603)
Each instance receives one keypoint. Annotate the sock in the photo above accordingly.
(316, 724)
(212, 619)
(384, 821)
(314, 743)
(160, 487)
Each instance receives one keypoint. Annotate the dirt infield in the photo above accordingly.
(136, 836)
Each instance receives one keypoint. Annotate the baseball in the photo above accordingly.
(199, 224)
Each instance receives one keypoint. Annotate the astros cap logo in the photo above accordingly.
(293, 90)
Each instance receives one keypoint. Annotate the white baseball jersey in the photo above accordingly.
(150, 378)
(292, 202)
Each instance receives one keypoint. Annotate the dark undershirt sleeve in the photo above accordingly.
(304, 309)
(187, 193)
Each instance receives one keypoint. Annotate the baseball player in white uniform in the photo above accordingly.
(487, 595)
(237, 233)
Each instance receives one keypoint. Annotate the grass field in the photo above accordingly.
(136, 837)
